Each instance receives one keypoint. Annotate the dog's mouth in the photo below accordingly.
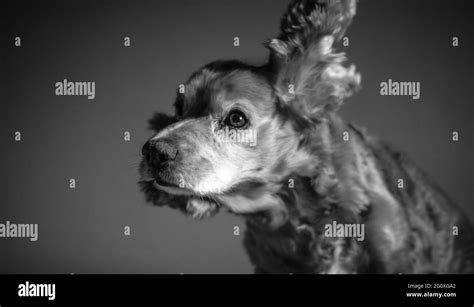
(169, 187)
(162, 183)
(161, 192)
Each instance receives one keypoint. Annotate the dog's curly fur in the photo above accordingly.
(292, 102)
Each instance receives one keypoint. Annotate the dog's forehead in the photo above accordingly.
(213, 90)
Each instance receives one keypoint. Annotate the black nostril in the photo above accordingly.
(163, 157)
(157, 152)
(166, 151)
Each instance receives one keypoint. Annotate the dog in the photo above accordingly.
(308, 170)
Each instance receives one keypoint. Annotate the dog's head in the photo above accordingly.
(239, 128)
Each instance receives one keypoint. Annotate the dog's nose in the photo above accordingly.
(157, 152)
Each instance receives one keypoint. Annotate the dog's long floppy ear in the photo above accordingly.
(308, 75)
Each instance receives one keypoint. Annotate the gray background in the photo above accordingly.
(81, 230)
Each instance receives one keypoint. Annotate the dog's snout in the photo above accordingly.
(157, 152)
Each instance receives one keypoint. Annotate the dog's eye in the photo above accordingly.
(236, 119)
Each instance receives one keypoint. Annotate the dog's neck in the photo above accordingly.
(300, 205)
